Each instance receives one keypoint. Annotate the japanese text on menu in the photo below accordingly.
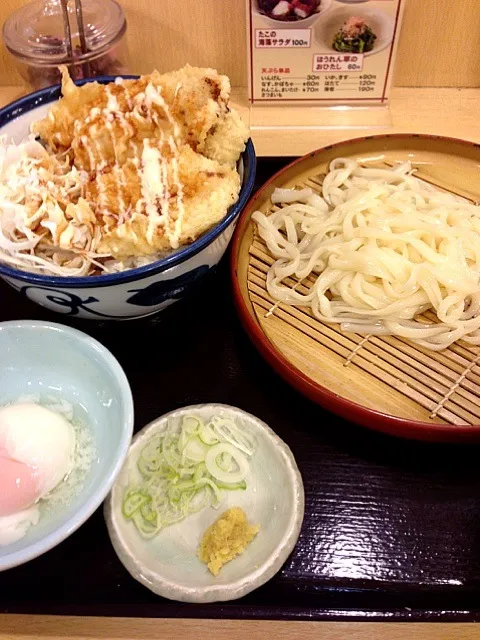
(322, 50)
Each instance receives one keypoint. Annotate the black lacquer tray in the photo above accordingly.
(391, 530)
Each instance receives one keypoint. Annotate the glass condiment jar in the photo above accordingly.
(36, 36)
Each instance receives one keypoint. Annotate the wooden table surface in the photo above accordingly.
(449, 112)
(32, 627)
(446, 112)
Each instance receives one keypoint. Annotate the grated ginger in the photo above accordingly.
(226, 538)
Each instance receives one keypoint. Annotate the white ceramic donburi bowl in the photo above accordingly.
(168, 564)
(135, 293)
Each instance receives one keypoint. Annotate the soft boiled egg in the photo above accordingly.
(36, 453)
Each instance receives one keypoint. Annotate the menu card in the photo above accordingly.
(323, 52)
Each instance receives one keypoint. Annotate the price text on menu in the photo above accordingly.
(337, 51)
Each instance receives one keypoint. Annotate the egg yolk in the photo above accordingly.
(19, 485)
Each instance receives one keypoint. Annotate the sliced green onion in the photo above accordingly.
(232, 486)
(227, 431)
(218, 494)
(183, 439)
(173, 517)
(192, 425)
(133, 502)
(225, 462)
(146, 528)
(207, 435)
(190, 485)
(152, 467)
(185, 468)
(200, 500)
(213, 468)
(195, 449)
(148, 514)
(153, 449)
(199, 472)
(173, 458)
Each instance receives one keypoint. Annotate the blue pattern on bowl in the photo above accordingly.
(174, 289)
(156, 293)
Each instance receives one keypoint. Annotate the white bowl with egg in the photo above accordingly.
(168, 564)
(66, 421)
(137, 292)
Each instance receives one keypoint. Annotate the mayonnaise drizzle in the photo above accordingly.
(153, 96)
(154, 169)
(154, 180)
(154, 174)
(174, 239)
(112, 102)
(122, 206)
(114, 111)
(91, 156)
(109, 125)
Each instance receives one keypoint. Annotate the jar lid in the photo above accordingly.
(36, 32)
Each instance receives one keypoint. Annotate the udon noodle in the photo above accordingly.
(381, 253)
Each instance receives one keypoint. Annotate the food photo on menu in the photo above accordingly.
(239, 321)
(318, 40)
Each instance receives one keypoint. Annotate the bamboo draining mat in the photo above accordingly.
(385, 374)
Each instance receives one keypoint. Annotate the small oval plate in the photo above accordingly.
(274, 499)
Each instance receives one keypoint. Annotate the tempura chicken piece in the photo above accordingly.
(133, 169)
(106, 124)
(56, 129)
(161, 210)
(198, 100)
(227, 139)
